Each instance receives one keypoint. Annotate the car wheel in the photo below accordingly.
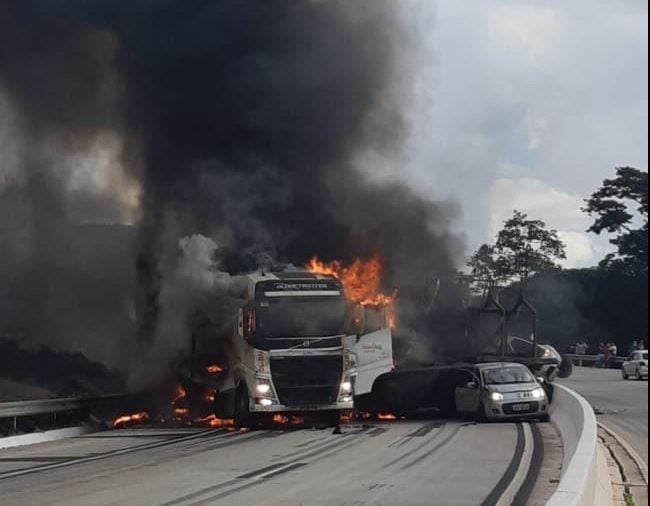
(625, 376)
(638, 374)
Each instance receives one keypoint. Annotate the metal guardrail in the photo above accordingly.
(13, 409)
(580, 360)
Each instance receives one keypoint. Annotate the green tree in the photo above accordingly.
(620, 207)
(523, 247)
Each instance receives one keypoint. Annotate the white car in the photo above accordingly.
(502, 391)
(636, 365)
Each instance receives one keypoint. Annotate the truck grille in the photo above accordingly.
(307, 381)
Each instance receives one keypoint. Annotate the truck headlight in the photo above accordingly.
(538, 393)
(346, 387)
(496, 396)
(263, 387)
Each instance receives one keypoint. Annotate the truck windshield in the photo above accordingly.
(286, 317)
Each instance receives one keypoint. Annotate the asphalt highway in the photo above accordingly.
(621, 405)
(445, 462)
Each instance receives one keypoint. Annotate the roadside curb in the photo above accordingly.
(641, 465)
(44, 437)
(575, 419)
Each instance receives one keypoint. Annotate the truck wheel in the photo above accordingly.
(243, 416)
(625, 376)
(545, 418)
(332, 418)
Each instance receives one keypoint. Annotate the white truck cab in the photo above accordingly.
(299, 346)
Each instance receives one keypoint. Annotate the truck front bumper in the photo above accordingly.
(256, 407)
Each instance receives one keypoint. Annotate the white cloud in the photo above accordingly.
(580, 249)
(559, 210)
(524, 34)
(531, 103)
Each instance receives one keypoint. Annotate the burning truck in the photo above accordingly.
(301, 342)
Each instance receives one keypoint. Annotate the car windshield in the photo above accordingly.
(645, 356)
(507, 374)
(286, 317)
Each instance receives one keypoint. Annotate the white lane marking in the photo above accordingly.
(524, 464)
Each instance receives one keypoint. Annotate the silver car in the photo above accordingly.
(502, 391)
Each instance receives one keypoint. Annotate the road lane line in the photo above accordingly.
(447, 440)
(254, 478)
(424, 444)
(500, 490)
(525, 491)
(114, 453)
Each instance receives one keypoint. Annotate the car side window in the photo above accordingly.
(631, 357)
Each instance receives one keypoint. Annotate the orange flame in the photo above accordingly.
(214, 369)
(181, 412)
(179, 394)
(281, 419)
(215, 422)
(128, 419)
(386, 418)
(361, 281)
(210, 396)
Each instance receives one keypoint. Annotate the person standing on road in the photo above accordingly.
(612, 352)
(601, 358)
(581, 348)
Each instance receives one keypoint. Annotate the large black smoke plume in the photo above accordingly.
(243, 121)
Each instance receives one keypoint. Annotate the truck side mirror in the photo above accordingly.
(472, 384)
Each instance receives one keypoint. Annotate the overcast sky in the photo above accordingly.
(528, 104)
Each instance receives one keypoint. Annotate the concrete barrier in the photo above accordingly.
(580, 483)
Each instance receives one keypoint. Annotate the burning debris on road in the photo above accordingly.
(128, 420)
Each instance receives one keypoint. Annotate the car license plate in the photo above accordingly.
(521, 407)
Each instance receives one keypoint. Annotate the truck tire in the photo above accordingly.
(243, 416)
(332, 418)
(566, 368)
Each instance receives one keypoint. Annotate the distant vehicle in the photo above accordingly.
(636, 365)
(501, 391)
